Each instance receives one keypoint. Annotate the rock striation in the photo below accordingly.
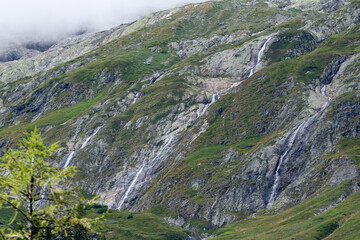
(213, 111)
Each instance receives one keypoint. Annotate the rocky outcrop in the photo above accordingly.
(210, 125)
(274, 176)
(319, 5)
(335, 22)
(189, 48)
(239, 63)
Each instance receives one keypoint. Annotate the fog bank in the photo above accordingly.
(49, 20)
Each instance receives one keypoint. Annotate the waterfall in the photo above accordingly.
(290, 143)
(259, 56)
(90, 137)
(68, 160)
(136, 97)
(262, 50)
(87, 140)
(323, 92)
(163, 149)
(161, 152)
(131, 186)
(235, 84)
(291, 140)
(214, 97)
(251, 72)
(39, 203)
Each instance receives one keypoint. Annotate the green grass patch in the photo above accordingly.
(307, 220)
(52, 118)
(203, 155)
(136, 226)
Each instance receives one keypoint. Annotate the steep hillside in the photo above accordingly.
(213, 112)
(332, 214)
(35, 58)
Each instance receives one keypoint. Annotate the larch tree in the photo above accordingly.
(44, 202)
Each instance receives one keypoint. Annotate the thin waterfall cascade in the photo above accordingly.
(251, 72)
(323, 90)
(292, 137)
(235, 84)
(39, 203)
(90, 137)
(259, 56)
(262, 50)
(289, 145)
(136, 98)
(214, 97)
(130, 188)
(162, 150)
(86, 142)
(329, 99)
(200, 112)
(68, 160)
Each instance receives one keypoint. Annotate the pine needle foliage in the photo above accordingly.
(44, 201)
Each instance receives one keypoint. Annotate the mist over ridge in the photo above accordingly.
(24, 21)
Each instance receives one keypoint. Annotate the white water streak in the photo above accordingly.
(202, 111)
(277, 172)
(131, 186)
(328, 99)
(262, 50)
(90, 137)
(323, 91)
(68, 160)
(291, 142)
(259, 56)
(134, 181)
(251, 72)
(164, 148)
(73, 153)
(136, 97)
(40, 202)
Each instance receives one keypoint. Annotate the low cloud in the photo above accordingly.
(47, 20)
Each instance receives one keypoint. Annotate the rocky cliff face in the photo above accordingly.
(214, 111)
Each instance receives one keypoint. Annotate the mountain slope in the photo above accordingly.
(329, 215)
(67, 49)
(214, 111)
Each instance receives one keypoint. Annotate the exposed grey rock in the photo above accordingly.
(149, 60)
(133, 149)
(237, 62)
(331, 70)
(177, 221)
(197, 183)
(335, 22)
(189, 48)
(231, 155)
(156, 49)
(344, 173)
